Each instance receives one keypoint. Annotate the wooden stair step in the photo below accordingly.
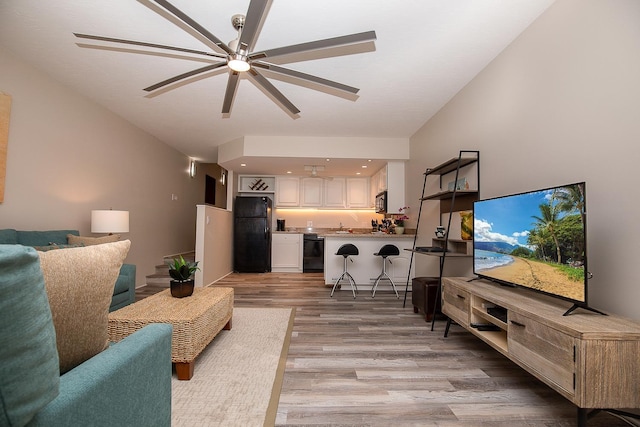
(161, 276)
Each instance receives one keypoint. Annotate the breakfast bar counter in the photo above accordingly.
(370, 235)
(366, 267)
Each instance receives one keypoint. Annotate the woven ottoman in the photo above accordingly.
(196, 321)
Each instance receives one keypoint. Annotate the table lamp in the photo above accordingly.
(109, 221)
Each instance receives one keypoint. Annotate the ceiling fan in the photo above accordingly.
(313, 172)
(239, 57)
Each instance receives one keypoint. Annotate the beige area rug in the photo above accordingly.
(238, 377)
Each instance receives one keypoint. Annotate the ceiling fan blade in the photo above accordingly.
(254, 17)
(261, 81)
(315, 45)
(185, 75)
(193, 24)
(304, 76)
(232, 85)
(154, 45)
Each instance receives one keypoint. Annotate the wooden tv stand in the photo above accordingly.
(590, 359)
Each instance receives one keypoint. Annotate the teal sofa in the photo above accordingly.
(126, 384)
(124, 292)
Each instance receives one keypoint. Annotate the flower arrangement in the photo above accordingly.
(399, 219)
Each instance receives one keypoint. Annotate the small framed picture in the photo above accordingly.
(460, 184)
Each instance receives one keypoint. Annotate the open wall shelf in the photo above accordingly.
(451, 199)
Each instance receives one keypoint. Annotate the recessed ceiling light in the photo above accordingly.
(369, 160)
(364, 166)
(243, 164)
(288, 171)
(357, 173)
(328, 160)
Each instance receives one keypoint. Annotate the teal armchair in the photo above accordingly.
(129, 384)
(125, 384)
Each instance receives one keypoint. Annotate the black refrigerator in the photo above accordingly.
(252, 235)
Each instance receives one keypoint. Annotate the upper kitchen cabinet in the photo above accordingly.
(378, 182)
(390, 179)
(287, 191)
(335, 195)
(329, 193)
(311, 194)
(358, 193)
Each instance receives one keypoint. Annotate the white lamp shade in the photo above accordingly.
(108, 221)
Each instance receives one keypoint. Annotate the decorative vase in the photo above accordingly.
(181, 289)
(399, 230)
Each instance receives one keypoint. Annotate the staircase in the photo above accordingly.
(161, 278)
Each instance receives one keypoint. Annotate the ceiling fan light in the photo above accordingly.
(239, 63)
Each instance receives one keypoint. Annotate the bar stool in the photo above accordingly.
(384, 252)
(346, 251)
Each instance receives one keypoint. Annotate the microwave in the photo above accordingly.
(381, 202)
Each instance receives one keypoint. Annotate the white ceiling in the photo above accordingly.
(425, 52)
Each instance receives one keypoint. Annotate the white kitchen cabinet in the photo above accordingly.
(286, 252)
(358, 193)
(390, 179)
(395, 186)
(287, 191)
(311, 194)
(377, 183)
(335, 193)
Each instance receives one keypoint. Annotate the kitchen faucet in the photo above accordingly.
(341, 227)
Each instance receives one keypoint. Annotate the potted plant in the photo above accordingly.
(400, 219)
(181, 272)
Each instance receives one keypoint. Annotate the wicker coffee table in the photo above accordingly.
(196, 321)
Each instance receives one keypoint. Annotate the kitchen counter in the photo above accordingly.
(367, 235)
(357, 233)
(366, 266)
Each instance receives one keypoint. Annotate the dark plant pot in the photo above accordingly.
(181, 289)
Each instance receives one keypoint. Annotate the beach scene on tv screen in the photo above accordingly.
(533, 239)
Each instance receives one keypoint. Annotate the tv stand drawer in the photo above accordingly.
(544, 351)
(455, 304)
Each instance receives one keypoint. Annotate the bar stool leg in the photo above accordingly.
(352, 282)
(382, 276)
(336, 284)
(345, 274)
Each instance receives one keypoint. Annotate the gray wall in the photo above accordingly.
(67, 156)
(560, 105)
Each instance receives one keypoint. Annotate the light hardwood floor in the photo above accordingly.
(371, 362)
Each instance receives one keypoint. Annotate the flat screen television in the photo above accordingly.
(536, 240)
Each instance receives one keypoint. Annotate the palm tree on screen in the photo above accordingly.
(571, 199)
(548, 221)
